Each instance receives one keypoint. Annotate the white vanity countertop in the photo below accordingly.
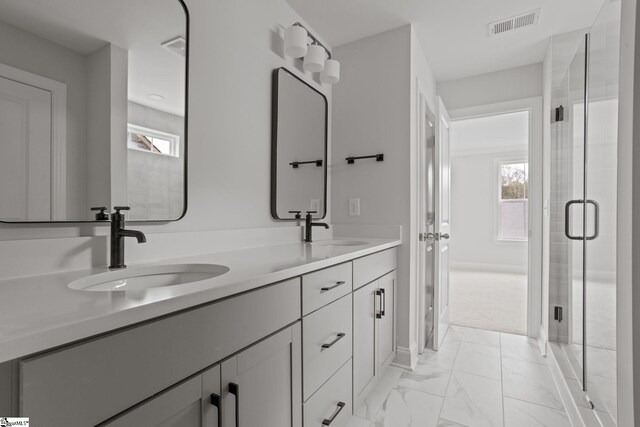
(40, 312)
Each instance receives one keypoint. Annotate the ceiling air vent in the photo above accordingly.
(176, 45)
(514, 23)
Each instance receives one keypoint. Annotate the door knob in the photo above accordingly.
(444, 236)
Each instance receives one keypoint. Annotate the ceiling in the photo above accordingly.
(137, 26)
(453, 33)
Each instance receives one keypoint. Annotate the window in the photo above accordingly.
(513, 201)
(152, 141)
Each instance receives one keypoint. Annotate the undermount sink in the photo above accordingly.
(340, 243)
(147, 277)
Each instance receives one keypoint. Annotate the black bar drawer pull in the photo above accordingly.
(338, 338)
(383, 302)
(328, 288)
(235, 390)
(217, 402)
(379, 313)
(328, 421)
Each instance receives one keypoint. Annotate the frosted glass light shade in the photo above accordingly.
(331, 72)
(295, 41)
(314, 60)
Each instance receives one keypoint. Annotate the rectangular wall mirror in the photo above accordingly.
(299, 148)
(93, 109)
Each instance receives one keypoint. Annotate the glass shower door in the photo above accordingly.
(600, 195)
(573, 181)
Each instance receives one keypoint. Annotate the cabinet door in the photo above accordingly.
(262, 386)
(386, 321)
(364, 337)
(211, 398)
(180, 406)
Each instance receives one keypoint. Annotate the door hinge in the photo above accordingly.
(557, 313)
(560, 114)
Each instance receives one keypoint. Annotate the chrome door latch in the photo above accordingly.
(433, 236)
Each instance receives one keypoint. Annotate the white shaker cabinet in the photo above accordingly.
(262, 385)
(373, 334)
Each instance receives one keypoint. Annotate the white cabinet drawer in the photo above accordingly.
(371, 267)
(324, 286)
(326, 343)
(334, 396)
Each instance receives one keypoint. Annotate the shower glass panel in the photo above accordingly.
(573, 209)
(585, 180)
(600, 193)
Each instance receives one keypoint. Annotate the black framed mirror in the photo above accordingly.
(93, 109)
(298, 148)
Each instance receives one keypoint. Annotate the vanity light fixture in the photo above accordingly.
(300, 43)
(315, 58)
(295, 41)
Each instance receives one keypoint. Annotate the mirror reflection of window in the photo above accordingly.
(153, 141)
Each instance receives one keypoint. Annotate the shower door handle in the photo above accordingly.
(596, 231)
(567, 211)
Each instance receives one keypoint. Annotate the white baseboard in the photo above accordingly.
(542, 340)
(469, 266)
(406, 358)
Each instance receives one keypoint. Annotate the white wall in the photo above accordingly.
(381, 120)
(229, 119)
(500, 86)
(474, 204)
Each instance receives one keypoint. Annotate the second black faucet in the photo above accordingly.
(309, 224)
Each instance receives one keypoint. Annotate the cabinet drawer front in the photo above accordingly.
(369, 268)
(87, 383)
(324, 286)
(326, 343)
(325, 403)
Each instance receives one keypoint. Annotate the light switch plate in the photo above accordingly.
(354, 207)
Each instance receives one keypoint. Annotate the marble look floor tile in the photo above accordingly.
(530, 382)
(605, 396)
(579, 396)
(479, 359)
(379, 393)
(564, 364)
(520, 347)
(355, 421)
(405, 407)
(606, 419)
(473, 400)
(518, 414)
(479, 336)
(444, 358)
(589, 417)
(446, 423)
(427, 377)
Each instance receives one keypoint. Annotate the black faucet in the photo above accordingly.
(118, 233)
(308, 225)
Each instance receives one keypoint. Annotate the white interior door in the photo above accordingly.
(25, 152)
(442, 225)
(426, 224)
